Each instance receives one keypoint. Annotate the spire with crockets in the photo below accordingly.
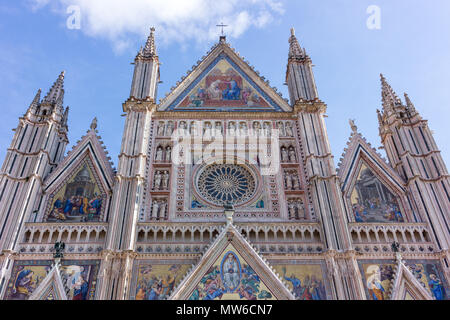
(299, 74)
(146, 71)
(389, 97)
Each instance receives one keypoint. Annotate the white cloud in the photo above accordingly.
(175, 20)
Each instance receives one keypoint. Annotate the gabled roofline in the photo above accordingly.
(197, 70)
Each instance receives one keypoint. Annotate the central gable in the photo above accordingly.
(223, 82)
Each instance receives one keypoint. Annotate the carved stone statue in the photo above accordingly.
(243, 128)
(182, 127)
(231, 128)
(284, 155)
(295, 183)
(291, 207)
(169, 128)
(289, 131)
(159, 154)
(281, 131)
(157, 180)
(155, 209)
(165, 180)
(288, 181)
(161, 129)
(168, 154)
(301, 210)
(218, 129)
(207, 130)
(292, 157)
(256, 128)
(162, 212)
(266, 129)
(193, 128)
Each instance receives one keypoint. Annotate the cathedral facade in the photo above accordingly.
(223, 190)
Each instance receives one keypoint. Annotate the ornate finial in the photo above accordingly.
(94, 124)
(59, 248)
(295, 51)
(353, 125)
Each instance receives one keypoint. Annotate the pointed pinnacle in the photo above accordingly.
(295, 51)
(37, 98)
(409, 103)
(389, 97)
(65, 116)
(56, 92)
(150, 48)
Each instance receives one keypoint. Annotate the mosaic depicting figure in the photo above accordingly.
(156, 282)
(25, 280)
(231, 271)
(223, 86)
(229, 279)
(430, 274)
(306, 281)
(80, 278)
(372, 201)
(79, 200)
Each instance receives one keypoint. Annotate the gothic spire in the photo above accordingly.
(150, 48)
(65, 117)
(389, 97)
(409, 104)
(35, 103)
(56, 92)
(295, 51)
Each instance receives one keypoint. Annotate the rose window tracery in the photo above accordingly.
(222, 183)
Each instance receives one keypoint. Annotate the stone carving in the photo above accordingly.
(169, 129)
(159, 209)
(231, 128)
(284, 155)
(296, 209)
(281, 130)
(157, 180)
(289, 131)
(168, 154)
(266, 129)
(292, 156)
(165, 180)
(161, 128)
(159, 154)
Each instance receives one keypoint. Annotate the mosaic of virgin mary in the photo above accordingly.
(223, 87)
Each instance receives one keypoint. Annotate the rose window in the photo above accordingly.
(222, 183)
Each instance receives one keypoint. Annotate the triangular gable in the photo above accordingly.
(89, 159)
(405, 285)
(231, 269)
(51, 288)
(223, 81)
(359, 149)
(375, 192)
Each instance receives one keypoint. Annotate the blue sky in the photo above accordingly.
(412, 49)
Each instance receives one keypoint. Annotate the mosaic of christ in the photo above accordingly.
(223, 87)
